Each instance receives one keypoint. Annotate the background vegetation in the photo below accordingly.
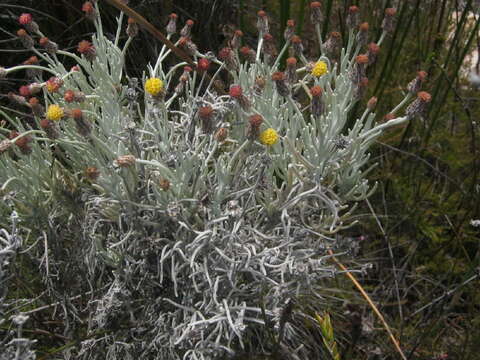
(416, 231)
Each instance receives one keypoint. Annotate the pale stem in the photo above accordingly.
(21, 67)
(402, 103)
(382, 37)
(119, 28)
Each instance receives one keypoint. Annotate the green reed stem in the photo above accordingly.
(300, 17)
(327, 18)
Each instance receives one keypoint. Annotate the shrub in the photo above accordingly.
(192, 219)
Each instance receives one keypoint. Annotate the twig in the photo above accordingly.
(370, 302)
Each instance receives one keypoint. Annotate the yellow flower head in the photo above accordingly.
(269, 137)
(319, 69)
(154, 86)
(54, 112)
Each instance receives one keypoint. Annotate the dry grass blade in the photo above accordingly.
(370, 302)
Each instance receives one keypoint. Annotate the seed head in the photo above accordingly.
(269, 137)
(154, 86)
(55, 112)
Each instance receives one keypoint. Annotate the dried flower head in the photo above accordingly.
(289, 30)
(235, 91)
(50, 128)
(353, 17)
(92, 173)
(372, 103)
(316, 91)
(372, 53)
(132, 27)
(89, 10)
(24, 90)
(172, 24)
(53, 84)
(221, 134)
(25, 39)
(255, 120)
(236, 40)
(388, 24)
(164, 184)
(49, 45)
(25, 19)
(86, 48)
(187, 28)
(316, 16)
(262, 23)
(203, 64)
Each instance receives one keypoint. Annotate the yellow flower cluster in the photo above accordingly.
(319, 69)
(154, 86)
(54, 112)
(269, 137)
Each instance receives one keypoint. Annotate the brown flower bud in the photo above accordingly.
(372, 103)
(221, 134)
(125, 161)
(92, 173)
